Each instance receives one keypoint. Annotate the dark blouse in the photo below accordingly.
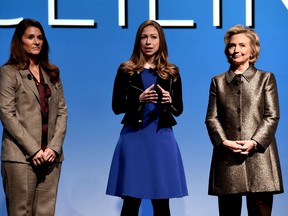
(44, 94)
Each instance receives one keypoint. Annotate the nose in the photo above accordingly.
(236, 49)
(36, 41)
(148, 41)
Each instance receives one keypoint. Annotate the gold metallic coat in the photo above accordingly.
(244, 107)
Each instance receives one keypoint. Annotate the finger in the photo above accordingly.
(151, 96)
(151, 93)
(50, 158)
(237, 150)
(46, 157)
(35, 162)
(166, 96)
(166, 100)
(161, 89)
(150, 88)
(239, 142)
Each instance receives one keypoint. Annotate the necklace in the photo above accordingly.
(34, 70)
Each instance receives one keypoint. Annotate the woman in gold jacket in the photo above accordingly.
(242, 118)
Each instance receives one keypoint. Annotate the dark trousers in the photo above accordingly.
(131, 207)
(258, 204)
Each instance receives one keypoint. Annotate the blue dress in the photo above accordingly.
(147, 162)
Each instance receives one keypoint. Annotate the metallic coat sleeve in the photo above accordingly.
(266, 130)
(214, 127)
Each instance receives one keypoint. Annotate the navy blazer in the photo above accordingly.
(126, 92)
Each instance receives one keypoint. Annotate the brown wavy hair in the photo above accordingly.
(18, 56)
(137, 60)
(251, 34)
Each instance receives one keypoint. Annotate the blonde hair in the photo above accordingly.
(251, 34)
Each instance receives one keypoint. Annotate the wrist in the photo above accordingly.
(254, 144)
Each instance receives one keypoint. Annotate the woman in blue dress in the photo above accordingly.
(147, 162)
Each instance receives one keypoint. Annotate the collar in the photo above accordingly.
(248, 74)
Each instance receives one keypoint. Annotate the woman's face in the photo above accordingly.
(149, 41)
(239, 50)
(32, 41)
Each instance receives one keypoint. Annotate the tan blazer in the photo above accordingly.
(21, 116)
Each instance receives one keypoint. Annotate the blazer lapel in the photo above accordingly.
(53, 99)
(28, 79)
(46, 79)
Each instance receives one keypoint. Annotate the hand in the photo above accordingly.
(149, 95)
(234, 146)
(248, 145)
(38, 159)
(49, 155)
(166, 97)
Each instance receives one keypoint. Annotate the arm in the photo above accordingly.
(214, 127)
(54, 147)
(265, 132)
(172, 99)
(61, 122)
(119, 102)
(8, 112)
(176, 107)
(216, 132)
(126, 93)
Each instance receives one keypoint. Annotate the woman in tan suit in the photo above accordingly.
(242, 118)
(34, 116)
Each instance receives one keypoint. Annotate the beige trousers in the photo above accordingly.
(30, 191)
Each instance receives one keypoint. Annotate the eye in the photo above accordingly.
(230, 46)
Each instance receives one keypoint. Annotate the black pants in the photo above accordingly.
(131, 206)
(258, 204)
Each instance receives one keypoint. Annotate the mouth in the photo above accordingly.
(234, 56)
(148, 49)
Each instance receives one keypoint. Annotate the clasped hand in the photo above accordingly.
(240, 146)
(150, 95)
(48, 155)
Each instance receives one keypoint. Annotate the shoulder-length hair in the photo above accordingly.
(251, 34)
(137, 60)
(19, 57)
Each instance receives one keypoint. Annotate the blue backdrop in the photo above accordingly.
(88, 57)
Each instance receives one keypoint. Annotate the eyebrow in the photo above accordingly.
(35, 35)
(153, 34)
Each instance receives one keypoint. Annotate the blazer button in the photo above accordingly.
(239, 129)
(139, 120)
(238, 110)
(238, 92)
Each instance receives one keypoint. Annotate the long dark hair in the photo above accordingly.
(137, 60)
(20, 59)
